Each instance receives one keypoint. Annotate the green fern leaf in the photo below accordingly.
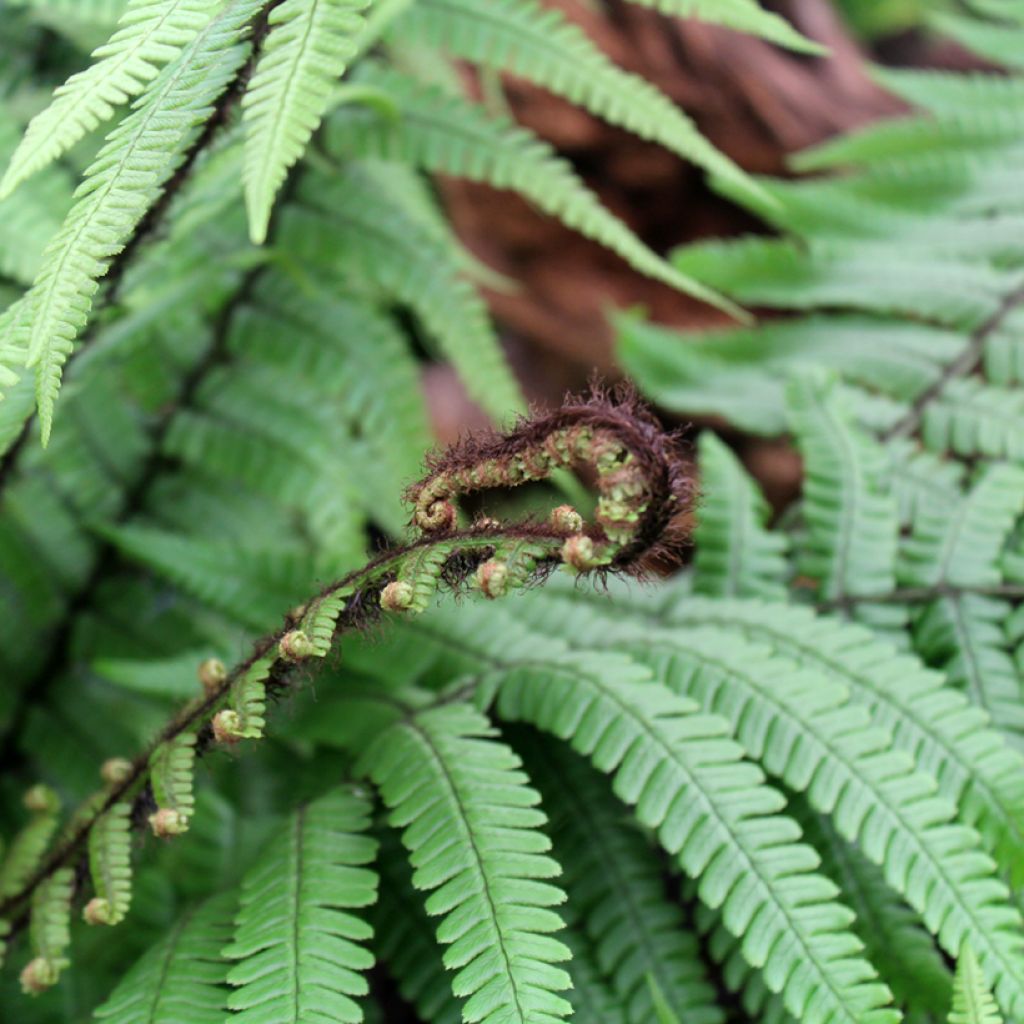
(1001, 44)
(736, 555)
(299, 948)
(851, 514)
(150, 33)
(976, 770)
(111, 866)
(616, 890)
(892, 933)
(182, 977)
(139, 156)
(972, 1000)
(593, 1001)
(309, 47)
(449, 135)
(375, 244)
(741, 15)
(472, 829)
(971, 418)
(405, 941)
(689, 783)
(541, 45)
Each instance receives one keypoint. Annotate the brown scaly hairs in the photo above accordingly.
(642, 489)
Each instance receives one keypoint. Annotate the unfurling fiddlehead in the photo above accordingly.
(641, 490)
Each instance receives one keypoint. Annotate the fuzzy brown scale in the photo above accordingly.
(641, 487)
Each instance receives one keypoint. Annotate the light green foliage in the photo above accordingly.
(150, 34)
(26, 849)
(736, 555)
(299, 940)
(309, 46)
(110, 865)
(972, 1001)
(473, 832)
(182, 976)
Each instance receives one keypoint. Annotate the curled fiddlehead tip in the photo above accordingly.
(212, 673)
(638, 468)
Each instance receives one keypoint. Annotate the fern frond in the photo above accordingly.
(689, 783)
(976, 770)
(848, 770)
(869, 276)
(541, 45)
(737, 556)
(26, 849)
(110, 865)
(972, 418)
(617, 894)
(138, 158)
(150, 33)
(450, 135)
(182, 977)
(1001, 44)
(593, 1001)
(742, 374)
(405, 942)
(299, 947)
(851, 514)
(376, 244)
(50, 932)
(972, 999)
(171, 768)
(892, 933)
(741, 15)
(473, 831)
(309, 47)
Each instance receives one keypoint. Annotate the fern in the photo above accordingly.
(687, 780)
(447, 134)
(522, 37)
(972, 1002)
(150, 33)
(471, 827)
(297, 946)
(736, 555)
(117, 190)
(182, 974)
(310, 44)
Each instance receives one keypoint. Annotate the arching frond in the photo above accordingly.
(540, 44)
(138, 158)
(640, 942)
(712, 810)
(851, 515)
(450, 135)
(150, 34)
(182, 976)
(309, 47)
(472, 829)
(298, 947)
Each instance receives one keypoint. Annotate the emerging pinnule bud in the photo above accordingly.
(397, 596)
(115, 770)
(295, 645)
(39, 975)
(438, 515)
(578, 551)
(486, 523)
(168, 822)
(41, 798)
(227, 726)
(212, 674)
(97, 911)
(492, 577)
(566, 518)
